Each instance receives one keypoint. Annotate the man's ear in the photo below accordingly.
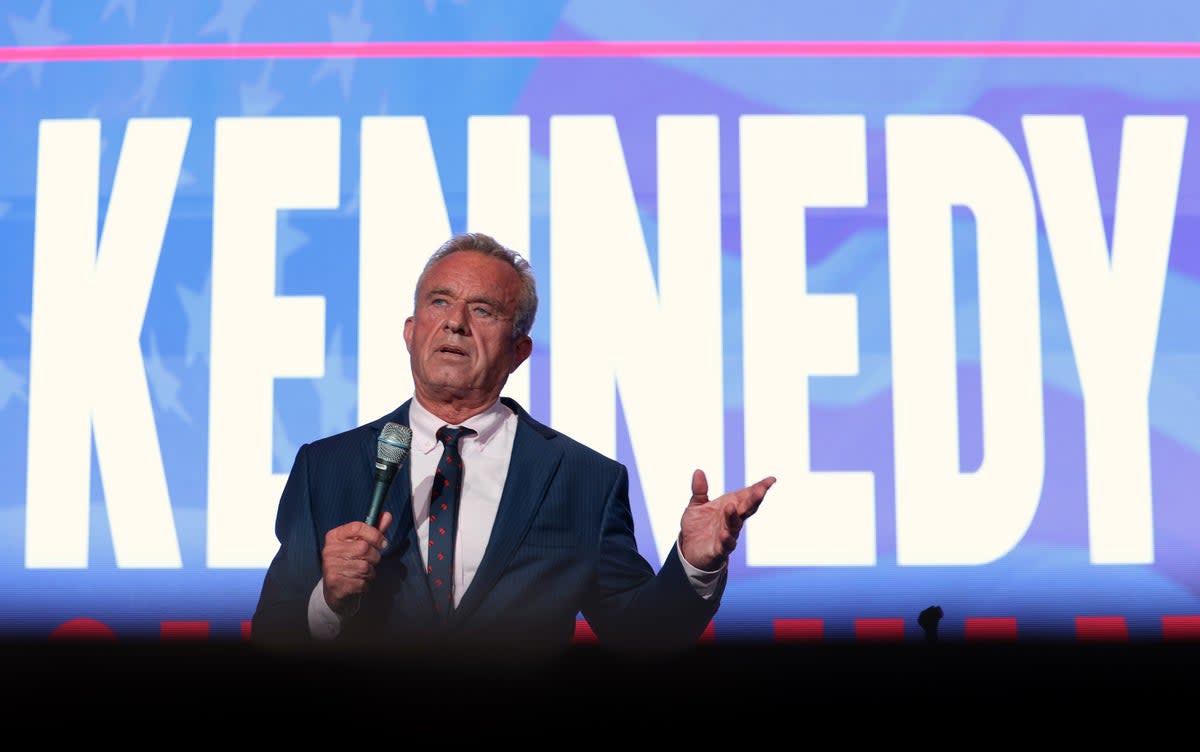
(408, 327)
(522, 349)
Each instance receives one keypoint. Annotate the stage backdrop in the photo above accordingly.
(931, 264)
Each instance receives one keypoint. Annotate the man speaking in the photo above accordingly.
(494, 532)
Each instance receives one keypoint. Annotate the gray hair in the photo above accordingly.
(477, 242)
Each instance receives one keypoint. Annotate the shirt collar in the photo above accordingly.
(425, 424)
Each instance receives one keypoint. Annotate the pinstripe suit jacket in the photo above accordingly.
(562, 544)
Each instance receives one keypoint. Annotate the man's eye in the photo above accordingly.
(482, 312)
(438, 302)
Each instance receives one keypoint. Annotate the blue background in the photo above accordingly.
(1045, 583)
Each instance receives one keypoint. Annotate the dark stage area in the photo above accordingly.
(186, 680)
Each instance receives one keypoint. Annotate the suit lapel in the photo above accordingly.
(402, 538)
(534, 462)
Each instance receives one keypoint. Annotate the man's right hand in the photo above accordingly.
(348, 562)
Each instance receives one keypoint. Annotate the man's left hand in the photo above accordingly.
(709, 529)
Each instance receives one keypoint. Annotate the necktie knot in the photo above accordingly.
(450, 436)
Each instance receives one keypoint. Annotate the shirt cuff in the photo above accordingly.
(705, 583)
(323, 623)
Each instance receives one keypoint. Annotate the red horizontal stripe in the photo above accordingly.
(183, 630)
(879, 629)
(791, 630)
(990, 628)
(1102, 628)
(83, 629)
(1181, 627)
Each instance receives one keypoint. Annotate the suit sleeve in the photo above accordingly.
(281, 614)
(633, 609)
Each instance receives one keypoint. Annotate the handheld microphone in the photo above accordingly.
(394, 443)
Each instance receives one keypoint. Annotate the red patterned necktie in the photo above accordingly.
(443, 516)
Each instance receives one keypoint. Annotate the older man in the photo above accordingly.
(498, 531)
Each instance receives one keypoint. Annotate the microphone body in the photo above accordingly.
(394, 443)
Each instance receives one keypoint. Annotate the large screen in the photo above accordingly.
(930, 264)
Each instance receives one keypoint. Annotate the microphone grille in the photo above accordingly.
(394, 443)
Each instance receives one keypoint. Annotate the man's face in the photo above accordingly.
(459, 337)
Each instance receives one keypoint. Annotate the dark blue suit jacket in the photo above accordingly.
(562, 544)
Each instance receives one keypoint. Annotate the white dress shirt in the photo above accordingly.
(485, 457)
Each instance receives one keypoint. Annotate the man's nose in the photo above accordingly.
(456, 317)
